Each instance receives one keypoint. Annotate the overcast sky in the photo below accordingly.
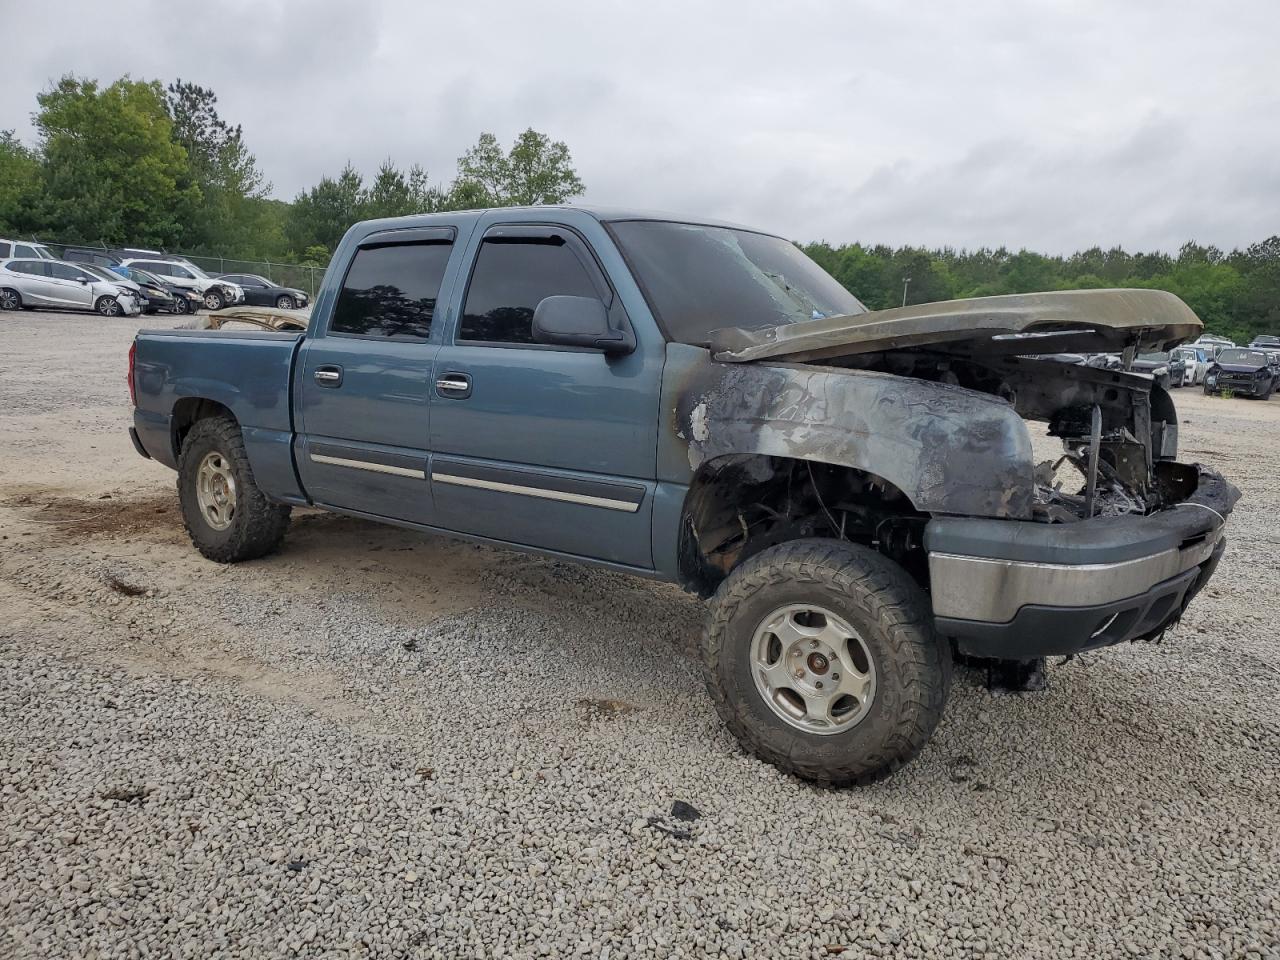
(1049, 125)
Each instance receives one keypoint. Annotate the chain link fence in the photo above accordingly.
(298, 276)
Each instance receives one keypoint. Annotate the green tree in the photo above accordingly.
(19, 185)
(535, 170)
(320, 216)
(111, 169)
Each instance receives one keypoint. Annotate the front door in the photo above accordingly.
(365, 381)
(544, 446)
(71, 285)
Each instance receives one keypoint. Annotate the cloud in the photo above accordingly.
(1053, 125)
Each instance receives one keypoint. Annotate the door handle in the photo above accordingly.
(328, 376)
(455, 386)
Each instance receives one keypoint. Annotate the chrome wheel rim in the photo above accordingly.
(211, 301)
(8, 300)
(216, 491)
(285, 303)
(813, 669)
(107, 307)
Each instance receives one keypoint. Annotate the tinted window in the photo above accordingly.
(158, 268)
(67, 271)
(700, 278)
(22, 250)
(179, 271)
(390, 291)
(6, 249)
(37, 268)
(511, 278)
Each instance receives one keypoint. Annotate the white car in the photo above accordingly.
(55, 284)
(1198, 359)
(24, 248)
(183, 273)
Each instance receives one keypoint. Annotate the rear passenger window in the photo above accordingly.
(512, 276)
(390, 291)
(5, 250)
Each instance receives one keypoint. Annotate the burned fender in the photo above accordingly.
(950, 450)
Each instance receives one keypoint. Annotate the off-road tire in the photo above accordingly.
(894, 618)
(257, 526)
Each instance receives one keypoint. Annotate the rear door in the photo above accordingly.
(364, 381)
(551, 447)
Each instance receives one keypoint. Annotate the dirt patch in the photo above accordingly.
(71, 518)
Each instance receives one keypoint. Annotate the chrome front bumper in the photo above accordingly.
(991, 590)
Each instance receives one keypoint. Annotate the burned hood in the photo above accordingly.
(1089, 321)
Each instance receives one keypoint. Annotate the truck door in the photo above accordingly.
(552, 447)
(363, 383)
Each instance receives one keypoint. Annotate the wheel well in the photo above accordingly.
(187, 412)
(738, 506)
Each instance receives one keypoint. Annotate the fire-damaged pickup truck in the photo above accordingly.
(855, 491)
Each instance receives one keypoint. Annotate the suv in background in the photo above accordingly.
(183, 273)
(24, 248)
(95, 255)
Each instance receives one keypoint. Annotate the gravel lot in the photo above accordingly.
(388, 745)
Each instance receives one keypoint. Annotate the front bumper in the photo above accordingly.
(1018, 590)
(1240, 386)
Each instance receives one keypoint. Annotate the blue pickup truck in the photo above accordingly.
(855, 491)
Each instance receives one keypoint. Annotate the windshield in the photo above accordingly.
(141, 276)
(699, 278)
(1246, 357)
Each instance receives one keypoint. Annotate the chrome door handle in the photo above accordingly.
(455, 386)
(328, 376)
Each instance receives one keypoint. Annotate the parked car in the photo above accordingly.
(1169, 371)
(260, 291)
(1265, 342)
(1213, 343)
(1245, 372)
(216, 293)
(95, 255)
(54, 284)
(1197, 363)
(151, 296)
(181, 300)
(24, 248)
(703, 404)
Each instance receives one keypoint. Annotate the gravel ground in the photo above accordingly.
(387, 745)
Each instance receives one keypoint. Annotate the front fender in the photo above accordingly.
(950, 450)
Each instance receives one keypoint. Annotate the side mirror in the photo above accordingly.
(579, 322)
(82, 279)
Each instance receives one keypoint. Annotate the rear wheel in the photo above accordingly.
(109, 307)
(213, 300)
(10, 299)
(227, 516)
(820, 656)
(285, 302)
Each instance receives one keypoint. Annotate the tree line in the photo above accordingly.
(144, 164)
(141, 164)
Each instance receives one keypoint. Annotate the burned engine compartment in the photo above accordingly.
(1116, 428)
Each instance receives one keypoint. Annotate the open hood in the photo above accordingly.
(1077, 321)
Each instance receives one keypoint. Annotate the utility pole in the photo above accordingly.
(905, 282)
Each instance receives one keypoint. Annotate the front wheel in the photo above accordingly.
(109, 307)
(227, 516)
(284, 303)
(213, 300)
(180, 306)
(821, 658)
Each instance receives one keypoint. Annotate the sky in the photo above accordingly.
(1043, 124)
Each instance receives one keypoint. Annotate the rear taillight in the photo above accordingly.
(133, 356)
